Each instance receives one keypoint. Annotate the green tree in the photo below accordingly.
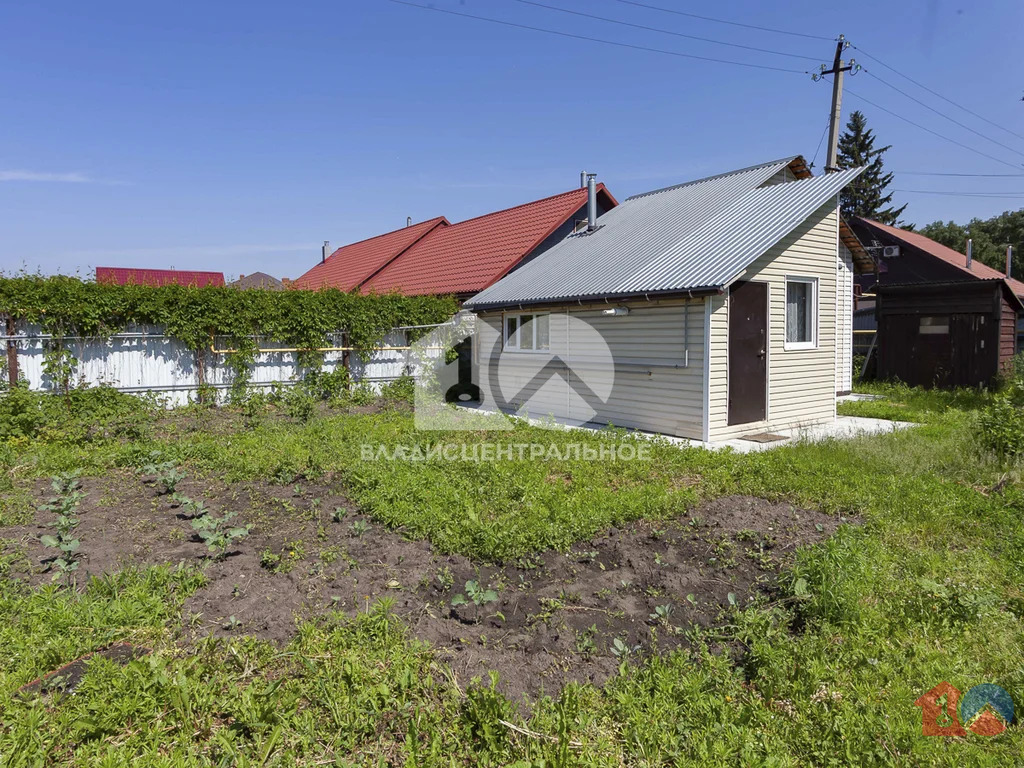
(866, 195)
(990, 236)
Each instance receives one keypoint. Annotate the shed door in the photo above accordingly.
(748, 352)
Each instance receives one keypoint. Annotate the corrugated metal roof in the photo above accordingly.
(693, 236)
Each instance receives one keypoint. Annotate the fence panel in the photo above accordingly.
(144, 359)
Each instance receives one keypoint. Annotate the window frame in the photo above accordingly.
(934, 329)
(813, 317)
(521, 318)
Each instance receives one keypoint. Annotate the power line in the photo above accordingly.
(942, 114)
(971, 175)
(934, 133)
(997, 195)
(595, 39)
(935, 93)
(663, 31)
(723, 21)
(818, 148)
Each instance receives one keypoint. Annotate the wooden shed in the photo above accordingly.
(946, 335)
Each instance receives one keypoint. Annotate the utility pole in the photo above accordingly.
(839, 67)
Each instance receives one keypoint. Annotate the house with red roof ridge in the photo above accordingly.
(437, 257)
(157, 277)
(942, 318)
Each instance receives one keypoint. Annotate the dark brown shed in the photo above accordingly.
(954, 334)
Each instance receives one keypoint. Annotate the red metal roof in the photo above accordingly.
(948, 255)
(186, 277)
(351, 265)
(469, 256)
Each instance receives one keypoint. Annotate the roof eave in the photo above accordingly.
(679, 293)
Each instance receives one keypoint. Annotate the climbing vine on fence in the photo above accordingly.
(67, 306)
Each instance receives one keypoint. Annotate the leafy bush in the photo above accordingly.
(298, 404)
(401, 390)
(81, 415)
(327, 385)
(21, 413)
(1001, 425)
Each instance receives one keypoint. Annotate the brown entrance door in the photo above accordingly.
(748, 352)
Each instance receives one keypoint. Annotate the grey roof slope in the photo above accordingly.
(690, 237)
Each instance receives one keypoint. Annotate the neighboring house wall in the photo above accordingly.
(801, 383)
(658, 352)
(945, 335)
(844, 321)
(1007, 333)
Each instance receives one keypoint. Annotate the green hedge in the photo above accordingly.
(68, 306)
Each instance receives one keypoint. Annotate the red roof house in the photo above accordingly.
(465, 258)
(351, 265)
(154, 277)
(953, 263)
(435, 257)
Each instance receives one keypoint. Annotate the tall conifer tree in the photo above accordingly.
(866, 196)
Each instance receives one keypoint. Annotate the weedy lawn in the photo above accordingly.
(823, 672)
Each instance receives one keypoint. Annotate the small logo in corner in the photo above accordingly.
(985, 709)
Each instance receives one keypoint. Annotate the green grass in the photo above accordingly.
(926, 587)
(903, 403)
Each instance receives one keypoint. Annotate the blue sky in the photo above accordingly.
(239, 136)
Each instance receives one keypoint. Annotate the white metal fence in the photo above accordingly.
(144, 359)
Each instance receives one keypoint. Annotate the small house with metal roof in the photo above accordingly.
(711, 310)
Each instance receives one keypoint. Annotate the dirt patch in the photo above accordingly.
(540, 621)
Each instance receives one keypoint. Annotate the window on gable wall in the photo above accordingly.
(801, 313)
(528, 332)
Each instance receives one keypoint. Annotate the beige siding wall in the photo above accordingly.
(656, 383)
(844, 321)
(801, 383)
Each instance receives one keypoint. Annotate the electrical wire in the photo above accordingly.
(595, 39)
(820, 142)
(665, 31)
(941, 114)
(997, 195)
(935, 93)
(723, 21)
(929, 130)
(971, 175)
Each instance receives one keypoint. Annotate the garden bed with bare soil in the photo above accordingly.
(538, 621)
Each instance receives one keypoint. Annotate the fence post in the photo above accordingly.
(200, 376)
(12, 353)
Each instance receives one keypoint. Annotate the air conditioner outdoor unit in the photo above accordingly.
(890, 252)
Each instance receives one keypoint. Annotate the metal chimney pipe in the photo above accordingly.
(970, 252)
(408, 221)
(325, 251)
(583, 179)
(1009, 260)
(591, 202)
